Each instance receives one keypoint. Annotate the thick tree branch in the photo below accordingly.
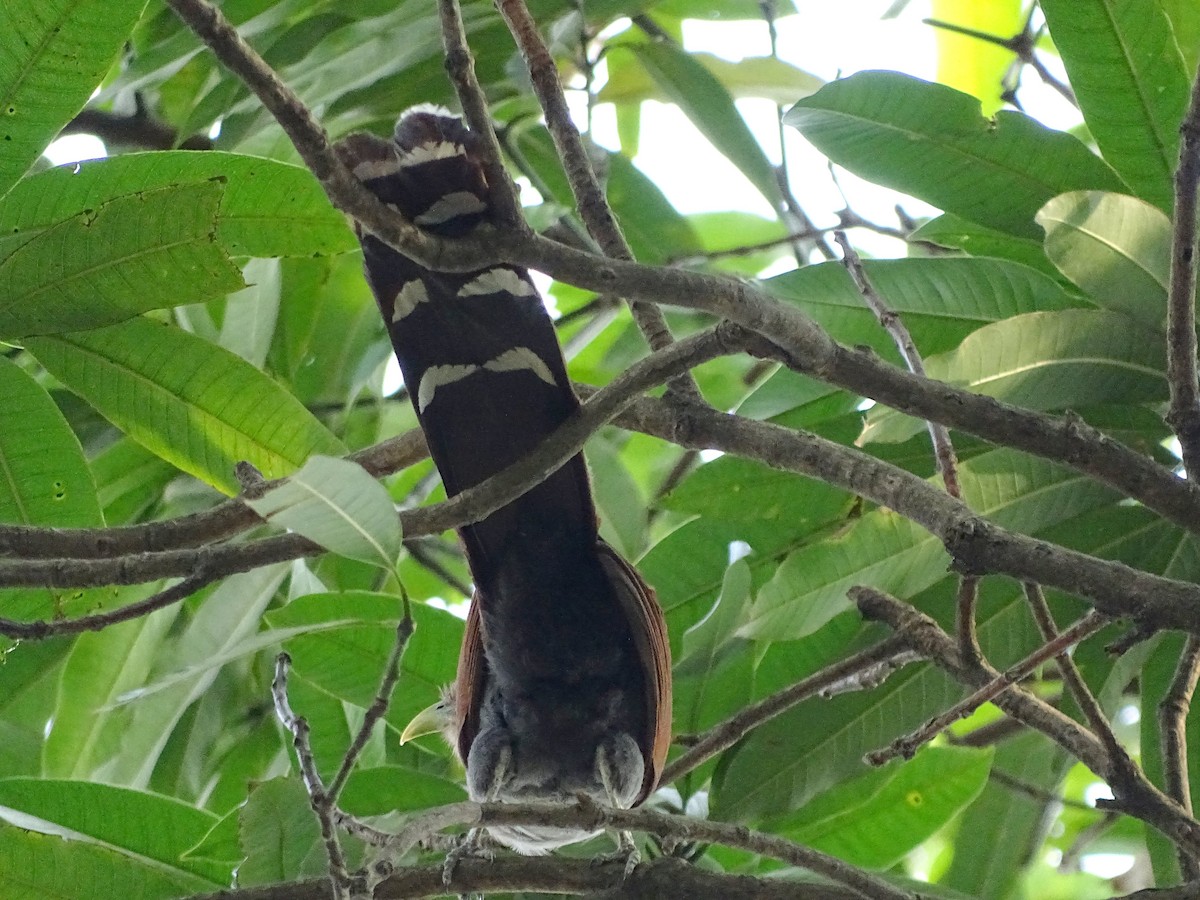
(662, 879)
(590, 816)
(974, 544)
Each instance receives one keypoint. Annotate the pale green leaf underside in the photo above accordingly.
(1116, 248)
(1062, 360)
(339, 506)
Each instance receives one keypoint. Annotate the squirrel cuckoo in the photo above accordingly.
(564, 676)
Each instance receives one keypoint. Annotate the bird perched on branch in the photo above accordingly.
(564, 677)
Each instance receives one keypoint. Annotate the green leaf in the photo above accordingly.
(730, 489)
(949, 230)
(132, 254)
(940, 300)
(134, 823)
(1129, 77)
(750, 76)
(194, 404)
(379, 790)
(1117, 248)
(1043, 361)
(224, 618)
(994, 838)
(1185, 22)
(696, 91)
(279, 835)
(930, 141)
(339, 506)
(86, 733)
(44, 480)
(46, 867)
(53, 54)
(876, 829)
(129, 480)
(28, 689)
(896, 555)
(347, 661)
(268, 208)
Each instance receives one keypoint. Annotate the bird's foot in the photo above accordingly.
(626, 852)
(471, 847)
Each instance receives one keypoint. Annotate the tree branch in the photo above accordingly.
(1184, 413)
(1135, 795)
(593, 205)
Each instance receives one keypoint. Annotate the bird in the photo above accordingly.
(563, 685)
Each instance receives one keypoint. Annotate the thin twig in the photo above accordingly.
(1172, 725)
(378, 707)
(460, 65)
(1082, 694)
(939, 435)
(1023, 44)
(724, 735)
(1184, 413)
(908, 745)
(593, 206)
(39, 630)
(321, 802)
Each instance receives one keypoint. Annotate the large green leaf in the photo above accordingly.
(347, 662)
(194, 404)
(134, 823)
(44, 479)
(1061, 360)
(876, 828)
(279, 835)
(1117, 248)
(940, 300)
(949, 230)
(897, 556)
(132, 254)
(930, 141)
(696, 90)
(1129, 76)
(267, 208)
(86, 729)
(996, 836)
(53, 54)
(37, 866)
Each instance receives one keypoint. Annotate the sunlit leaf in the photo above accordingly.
(930, 141)
(1128, 74)
(1117, 248)
(52, 56)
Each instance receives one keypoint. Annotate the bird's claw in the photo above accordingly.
(626, 852)
(471, 847)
